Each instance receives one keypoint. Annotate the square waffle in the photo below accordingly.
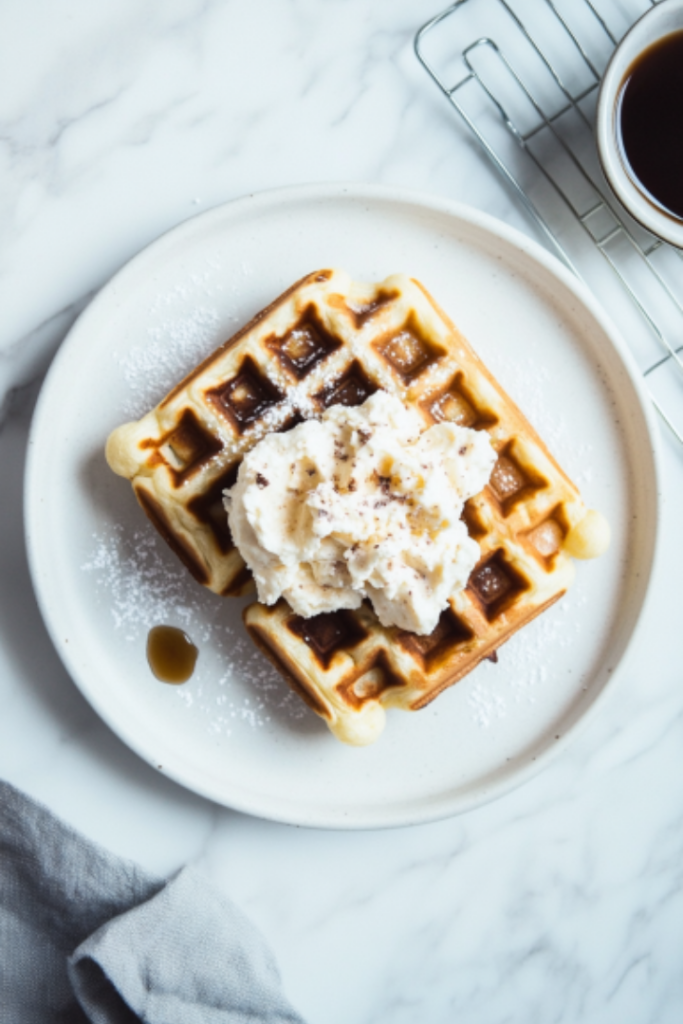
(327, 341)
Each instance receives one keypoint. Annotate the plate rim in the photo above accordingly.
(266, 806)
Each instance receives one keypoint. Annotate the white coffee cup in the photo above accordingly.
(661, 20)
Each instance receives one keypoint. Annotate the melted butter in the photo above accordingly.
(171, 654)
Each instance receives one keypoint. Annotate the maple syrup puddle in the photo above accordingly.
(171, 654)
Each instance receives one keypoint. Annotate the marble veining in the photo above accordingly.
(561, 902)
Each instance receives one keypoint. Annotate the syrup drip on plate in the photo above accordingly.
(171, 654)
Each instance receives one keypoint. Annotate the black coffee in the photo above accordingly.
(650, 121)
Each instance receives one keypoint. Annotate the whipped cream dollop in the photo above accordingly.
(362, 503)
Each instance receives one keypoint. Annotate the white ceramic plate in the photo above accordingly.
(235, 733)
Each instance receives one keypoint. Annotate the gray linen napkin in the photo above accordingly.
(86, 936)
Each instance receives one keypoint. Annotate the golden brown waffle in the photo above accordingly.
(330, 341)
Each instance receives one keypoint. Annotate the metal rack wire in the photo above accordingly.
(530, 105)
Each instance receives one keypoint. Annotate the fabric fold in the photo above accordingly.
(87, 936)
(186, 956)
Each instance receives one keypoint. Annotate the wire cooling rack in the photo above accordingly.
(524, 77)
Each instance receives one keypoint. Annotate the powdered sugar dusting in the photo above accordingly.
(529, 383)
(177, 339)
(528, 661)
(173, 348)
(142, 586)
(486, 705)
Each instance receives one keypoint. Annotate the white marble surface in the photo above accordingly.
(561, 902)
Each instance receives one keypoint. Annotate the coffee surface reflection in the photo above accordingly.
(650, 122)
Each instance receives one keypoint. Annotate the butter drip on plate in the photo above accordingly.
(363, 503)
